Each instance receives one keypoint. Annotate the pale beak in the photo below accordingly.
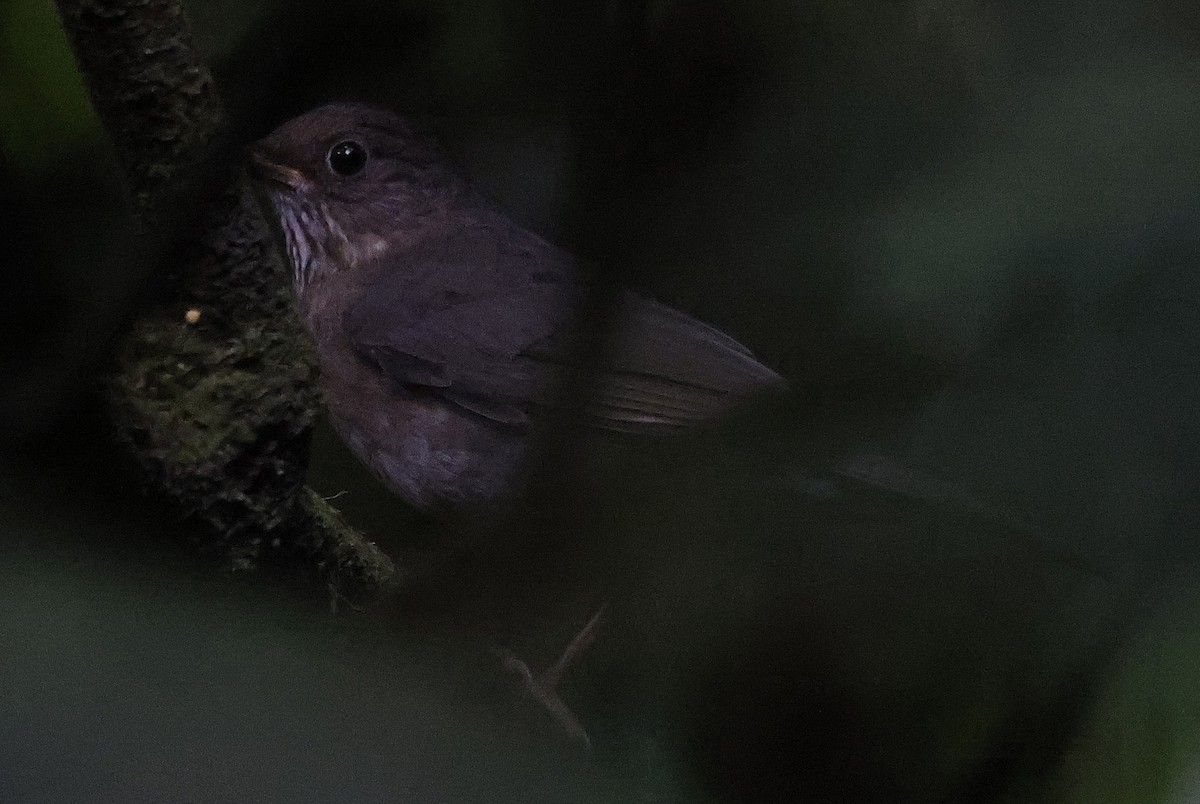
(266, 168)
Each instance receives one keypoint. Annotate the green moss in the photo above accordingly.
(219, 410)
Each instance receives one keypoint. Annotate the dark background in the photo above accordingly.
(966, 233)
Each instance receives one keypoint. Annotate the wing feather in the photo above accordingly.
(483, 318)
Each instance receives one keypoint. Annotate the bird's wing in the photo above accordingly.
(484, 319)
(662, 369)
(455, 314)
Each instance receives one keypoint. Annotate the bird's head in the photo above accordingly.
(346, 181)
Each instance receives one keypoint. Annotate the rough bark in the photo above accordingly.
(155, 98)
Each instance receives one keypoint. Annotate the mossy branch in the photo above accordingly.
(214, 388)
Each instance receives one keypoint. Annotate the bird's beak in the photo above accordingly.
(265, 167)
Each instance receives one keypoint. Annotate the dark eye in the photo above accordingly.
(346, 158)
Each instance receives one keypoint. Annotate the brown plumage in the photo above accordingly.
(443, 326)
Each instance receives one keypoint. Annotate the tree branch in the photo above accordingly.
(215, 386)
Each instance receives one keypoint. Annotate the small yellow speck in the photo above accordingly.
(192, 316)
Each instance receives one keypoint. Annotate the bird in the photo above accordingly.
(446, 332)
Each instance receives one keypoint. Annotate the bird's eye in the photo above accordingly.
(346, 158)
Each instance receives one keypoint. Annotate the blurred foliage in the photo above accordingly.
(1141, 740)
(45, 115)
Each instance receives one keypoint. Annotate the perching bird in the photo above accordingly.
(444, 328)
